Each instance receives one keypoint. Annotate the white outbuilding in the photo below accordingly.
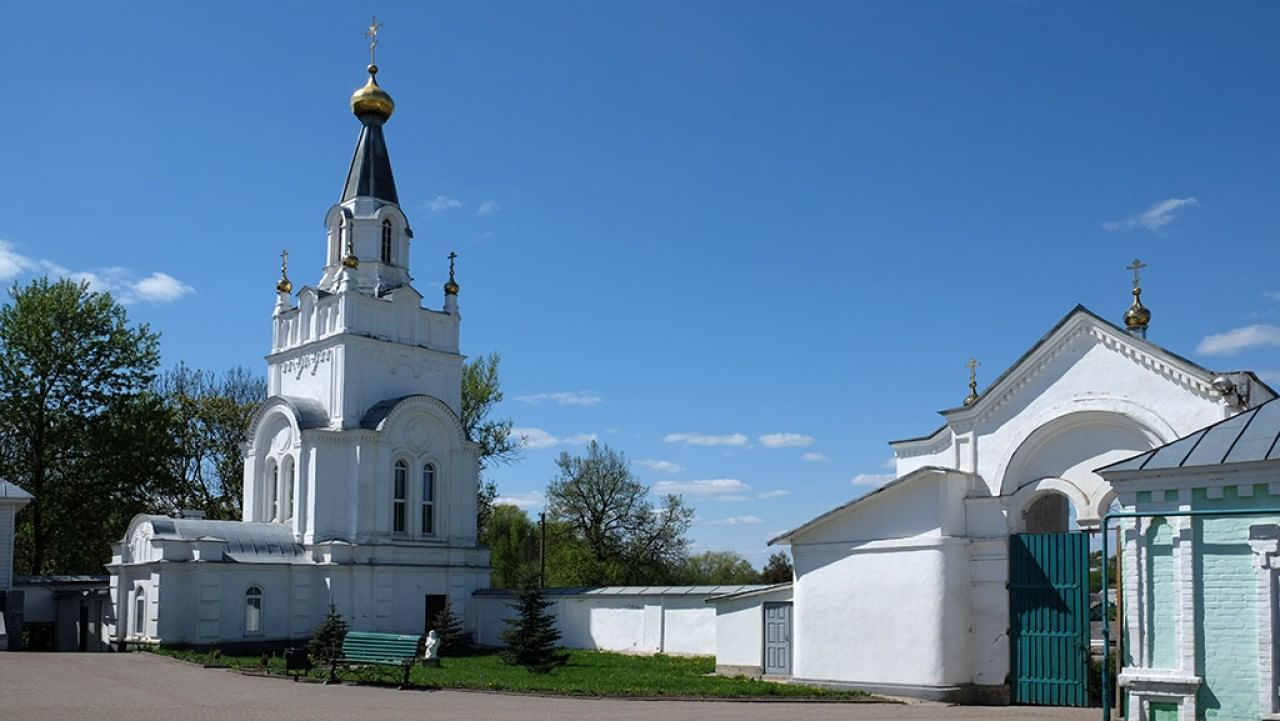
(960, 577)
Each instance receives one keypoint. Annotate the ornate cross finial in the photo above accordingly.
(452, 257)
(451, 287)
(284, 285)
(372, 34)
(1136, 266)
(972, 365)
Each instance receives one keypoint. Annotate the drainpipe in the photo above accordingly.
(1106, 612)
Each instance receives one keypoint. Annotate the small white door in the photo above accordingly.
(777, 639)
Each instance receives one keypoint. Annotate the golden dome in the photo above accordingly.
(372, 98)
(284, 285)
(1137, 317)
(451, 287)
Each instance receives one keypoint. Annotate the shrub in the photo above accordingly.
(326, 640)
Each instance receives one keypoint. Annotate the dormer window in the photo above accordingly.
(386, 241)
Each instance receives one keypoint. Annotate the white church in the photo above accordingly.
(359, 482)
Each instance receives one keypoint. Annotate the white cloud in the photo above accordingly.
(443, 203)
(1238, 339)
(1272, 295)
(737, 521)
(562, 398)
(661, 466)
(161, 288)
(716, 487)
(523, 501)
(121, 283)
(13, 263)
(537, 438)
(815, 457)
(1153, 218)
(702, 439)
(487, 208)
(778, 493)
(785, 440)
(872, 479)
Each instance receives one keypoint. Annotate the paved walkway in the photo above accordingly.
(142, 687)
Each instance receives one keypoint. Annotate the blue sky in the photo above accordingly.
(717, 236)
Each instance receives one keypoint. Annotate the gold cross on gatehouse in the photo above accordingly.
(372, 34)
(972, 365)
(1136, 266)
(284, 262)
(452, 257)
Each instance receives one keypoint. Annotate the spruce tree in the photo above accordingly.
(453, 639)
(531, 636)
(326, 640)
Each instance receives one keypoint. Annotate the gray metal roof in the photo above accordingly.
(370, 173)
(246, 542)
(1247, 437)
(633, 590)
(752, 591)
(12, 491)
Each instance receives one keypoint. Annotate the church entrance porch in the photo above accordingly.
(1049, 617)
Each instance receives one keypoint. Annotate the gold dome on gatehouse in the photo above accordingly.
(372, 99)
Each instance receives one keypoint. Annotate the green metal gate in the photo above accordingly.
(1049, 619)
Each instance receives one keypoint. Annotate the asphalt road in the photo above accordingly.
(143, 687)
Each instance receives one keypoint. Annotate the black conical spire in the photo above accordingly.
(370, 175)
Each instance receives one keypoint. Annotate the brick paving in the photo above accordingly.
(142, 687)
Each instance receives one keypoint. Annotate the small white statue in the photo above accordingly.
(431, 649)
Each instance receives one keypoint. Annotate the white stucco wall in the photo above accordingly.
(641, 624)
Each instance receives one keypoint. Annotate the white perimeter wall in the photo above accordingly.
(684, 624)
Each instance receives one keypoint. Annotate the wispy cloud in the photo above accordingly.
(1238, 339)
(123, 284)
(872, 479)
(714, 487)
(778, 493)
(536, 438)
(815, 457)
(1153, 218)
(562, 398)
(736, 521)
(661, 466)
(785, 440)
(443, 204)
(532, 499)
(702, 439)
(487, 208)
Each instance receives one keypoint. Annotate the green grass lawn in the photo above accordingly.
(588, 673)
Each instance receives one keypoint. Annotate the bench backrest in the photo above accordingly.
(375, 647)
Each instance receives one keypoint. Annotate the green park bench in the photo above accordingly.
(377, 649)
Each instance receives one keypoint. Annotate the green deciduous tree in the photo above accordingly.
(713, 568)
(531, 637)
(777, 569)
(629, 538)
(79, 426)
(210, 413)
(513, 544)
(481, 391)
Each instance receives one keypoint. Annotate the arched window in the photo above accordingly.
(253, 610)
(273, 489)
(428, 499)
(386, 241)
(140, 613)
(286, 492)
(400, 497)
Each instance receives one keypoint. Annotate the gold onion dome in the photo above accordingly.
(372, 99)
(451, 287)
(1137, 317)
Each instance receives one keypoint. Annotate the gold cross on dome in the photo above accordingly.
(1136, 266)
(452, 257)
(972, 365)
(284, 262)
(372, 34)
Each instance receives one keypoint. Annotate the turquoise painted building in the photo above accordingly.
(1199, 593)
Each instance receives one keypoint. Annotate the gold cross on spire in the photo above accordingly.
(284, 285)
(452, 257)
(372, 34)
(972, 365)
(1136, 266)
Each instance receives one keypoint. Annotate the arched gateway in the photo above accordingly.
(920, 586)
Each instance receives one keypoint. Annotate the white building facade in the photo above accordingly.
(904, 590)
(359, 480)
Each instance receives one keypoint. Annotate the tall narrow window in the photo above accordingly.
(386, 241)
(140, 614)
(428, 499)
(286, 492)
(400, 498)
(273, 491)
(253, 610)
